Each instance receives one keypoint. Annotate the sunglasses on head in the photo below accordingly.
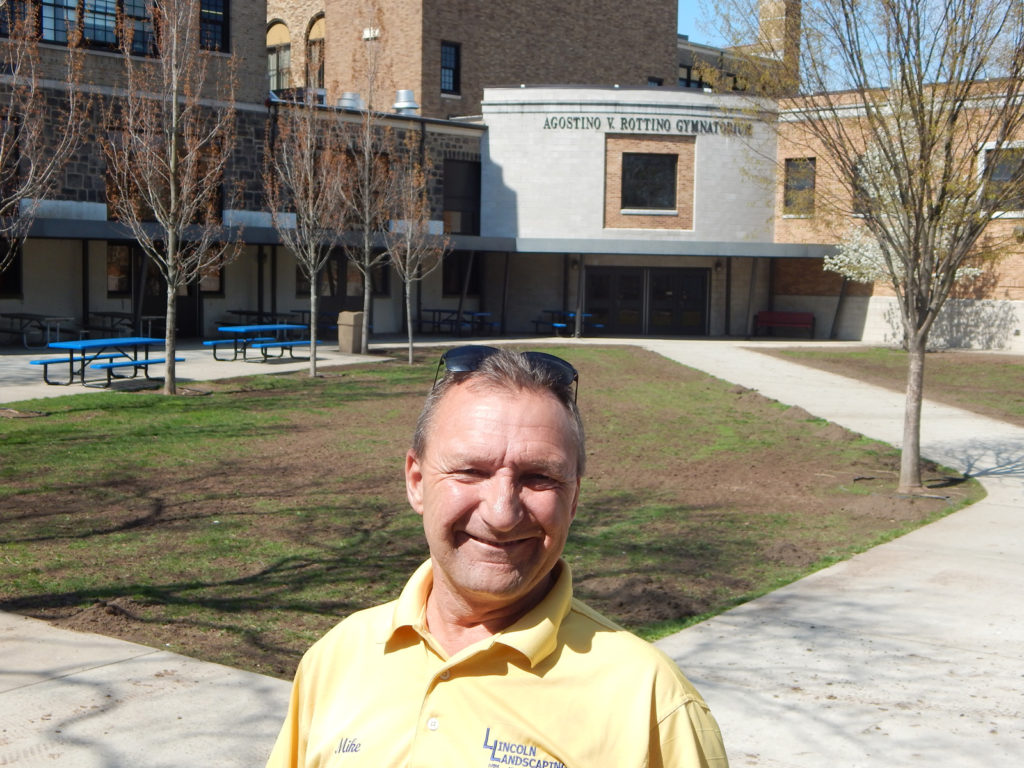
(469, 357)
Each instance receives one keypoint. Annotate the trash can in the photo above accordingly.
(350, 332)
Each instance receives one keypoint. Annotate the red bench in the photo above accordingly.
(773, 319)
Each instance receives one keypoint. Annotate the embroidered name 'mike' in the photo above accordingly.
(514, 753)
(347, 745)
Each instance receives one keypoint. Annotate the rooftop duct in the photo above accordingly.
(405, 104)
(350, 100)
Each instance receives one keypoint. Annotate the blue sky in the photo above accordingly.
(693, 22)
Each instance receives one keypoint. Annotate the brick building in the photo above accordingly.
(448, 51)
(812, 207)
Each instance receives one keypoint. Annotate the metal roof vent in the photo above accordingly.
(350, 100)
(405, 104)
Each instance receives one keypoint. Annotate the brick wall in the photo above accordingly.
(298, 16)
(683, 147)
(1004, 278)
(502, 43)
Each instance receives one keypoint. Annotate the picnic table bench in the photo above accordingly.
(233, 343)
(47, 362)
(281, 345)
(135, 365)
(776, 319)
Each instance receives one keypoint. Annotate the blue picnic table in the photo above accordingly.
(242, 337)
(108, 354)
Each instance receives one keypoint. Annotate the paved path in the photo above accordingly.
(907, 655)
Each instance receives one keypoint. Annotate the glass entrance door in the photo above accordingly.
(615, 300)
(678, 302)
(647, 301)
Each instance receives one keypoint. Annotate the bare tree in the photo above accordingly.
(36, 141)
(168, 151)
(415, 250)
(370, 179)
(914, 112)
(306, 191)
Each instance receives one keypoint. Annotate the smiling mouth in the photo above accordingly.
(494, 544)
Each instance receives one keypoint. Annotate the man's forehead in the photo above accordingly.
(479, 404)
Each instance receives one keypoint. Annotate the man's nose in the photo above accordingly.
(502, 506)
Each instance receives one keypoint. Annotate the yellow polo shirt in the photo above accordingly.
(563, 686)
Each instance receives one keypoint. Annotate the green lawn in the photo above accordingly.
(239, 523)
(988, 383)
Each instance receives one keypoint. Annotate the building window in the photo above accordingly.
(649, 181)
(315, 54)
(861, 189)
(137, 14)
(12, 14)
(380, 281)
(462, 197)
(213, 25)
(453, 274)
(1004, 187)
(211, 281)
(451, 68)
(97, 21)
(328, 280)
(10, 278)
(119, 271)
(655, 81)
(279, 57)
(798, 193)
(56, 18)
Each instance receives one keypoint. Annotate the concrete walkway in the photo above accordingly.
(907, 655)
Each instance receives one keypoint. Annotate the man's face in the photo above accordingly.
(497, 488)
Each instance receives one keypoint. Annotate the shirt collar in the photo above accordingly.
(535, 635)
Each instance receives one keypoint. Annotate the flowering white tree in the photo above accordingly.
(913, 110)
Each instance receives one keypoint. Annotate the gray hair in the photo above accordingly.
(510, 370)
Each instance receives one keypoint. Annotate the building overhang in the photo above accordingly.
(642, 247)
(86, 229)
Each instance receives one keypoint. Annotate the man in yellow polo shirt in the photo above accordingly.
(486, 660)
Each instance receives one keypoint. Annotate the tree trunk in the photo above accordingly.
(408, 315)
(910, 456)
(364, 347)
(314, 318)
(170, 345)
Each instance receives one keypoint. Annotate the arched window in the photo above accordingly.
(315, 54)
(279, 57)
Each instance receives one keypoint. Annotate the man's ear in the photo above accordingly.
(575, 499)
(414, 482)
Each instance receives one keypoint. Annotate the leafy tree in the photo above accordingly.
(167, 153)
(36, 141)
(912, 109)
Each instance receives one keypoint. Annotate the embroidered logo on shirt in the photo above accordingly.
(347, 745)
(513, 753)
